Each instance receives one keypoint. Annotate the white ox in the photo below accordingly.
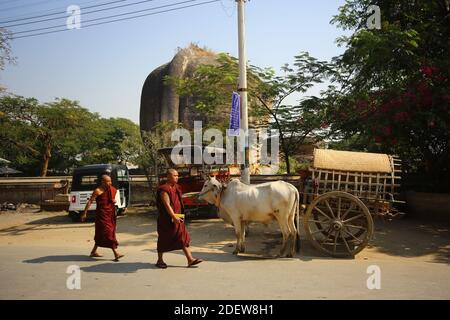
(239, 203)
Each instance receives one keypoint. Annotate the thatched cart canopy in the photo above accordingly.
(352, 161)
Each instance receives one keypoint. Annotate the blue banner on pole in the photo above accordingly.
(235, 116)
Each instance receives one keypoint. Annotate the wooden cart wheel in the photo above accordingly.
(338, 224)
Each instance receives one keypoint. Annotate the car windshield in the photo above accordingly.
(122, 175)
(84, 182)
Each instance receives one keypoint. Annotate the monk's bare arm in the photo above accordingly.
(94, 195)
(166, 200)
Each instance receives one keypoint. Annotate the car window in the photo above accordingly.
(122, 175)
(88, 180)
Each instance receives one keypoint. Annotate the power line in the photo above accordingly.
(122, 19)
(63, 12)
(26, 5)
(43, 11)
(107, 17)
(8, 1)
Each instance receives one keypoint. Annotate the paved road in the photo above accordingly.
(29, 272)
(33, 265)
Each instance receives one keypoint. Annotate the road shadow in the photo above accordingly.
(410, 237)
(218, 256)
(119, 267)
(23, 229)
(62, 258)
(58, 219)
(52, 222)
(225, 255)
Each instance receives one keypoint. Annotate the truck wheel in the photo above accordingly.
(122, 212)
(75, 216)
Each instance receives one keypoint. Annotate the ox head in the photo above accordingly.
(211, 190)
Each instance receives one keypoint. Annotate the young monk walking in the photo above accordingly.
(105, 217)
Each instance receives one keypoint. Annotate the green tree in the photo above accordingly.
(36, 131)
(116, 140)
(5, 51)
(393, 93)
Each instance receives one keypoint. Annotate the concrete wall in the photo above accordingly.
(31, 190)
(37, 190)
(141, 193)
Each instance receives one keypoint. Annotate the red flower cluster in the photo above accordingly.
(409, 95)
(427, 70)
(432, 73)
(387, 130)
(378, 139)
(401, 116)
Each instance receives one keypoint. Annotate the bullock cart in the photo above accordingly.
(341, 195)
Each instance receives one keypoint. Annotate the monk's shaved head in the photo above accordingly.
(105, 177)
(171, 171)
(172, 176)
(106, 180)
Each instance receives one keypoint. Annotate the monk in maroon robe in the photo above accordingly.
(105, 217)
(172, 232)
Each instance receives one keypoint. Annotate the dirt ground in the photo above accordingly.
(409, 239)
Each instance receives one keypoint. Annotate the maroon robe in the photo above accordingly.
(105, 219)
(171, 236)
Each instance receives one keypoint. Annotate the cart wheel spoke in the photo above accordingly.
(335, 242)
(328, 236)
(356, 227)
(348, 210)
(351, 234)
(320, 221)
(329, 208)
(339, 208)
(354, 218)
(346, 243)
(323, 213)
(320, 230)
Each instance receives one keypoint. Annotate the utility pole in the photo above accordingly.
(245, 172)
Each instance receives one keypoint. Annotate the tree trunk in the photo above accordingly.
(285, 151)
(288, 164)
(46, 158)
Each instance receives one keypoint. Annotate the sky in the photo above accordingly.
(104, 67)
